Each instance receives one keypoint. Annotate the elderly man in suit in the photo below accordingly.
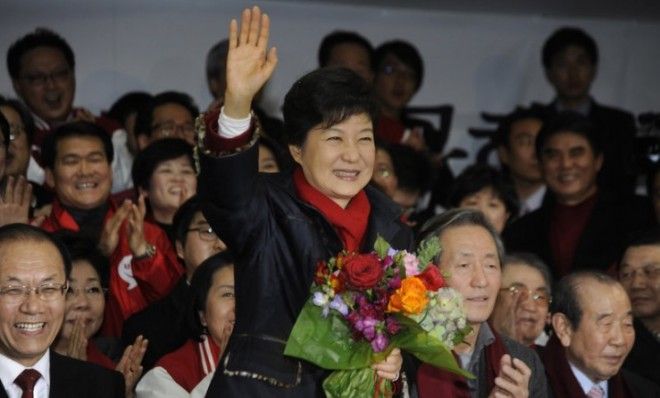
(33, 279)
(593, 323)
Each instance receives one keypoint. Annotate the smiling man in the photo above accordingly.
(593, 323)
(33, 275)
(77, 158)
(581, 226)
(471, 255)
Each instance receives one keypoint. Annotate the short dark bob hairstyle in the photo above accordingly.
(156, 153)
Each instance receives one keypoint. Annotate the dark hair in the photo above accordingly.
(644, 237)
(338, 37)
(566, 299)
(74, 130)
(156, 153)
(145, 116)
(412, 168)
(566, 37)
(435, 226)
(572, 122)
(504, 127)
(325, 96)
(12, 233)
(479, 176)
(4, 128)
(280, 154)
(533, 261)
(184, 216)
(216, 54)
(200, 284)
(404, 52)
(41, 37)
(24, 114)
(82, 248)
(128, 104)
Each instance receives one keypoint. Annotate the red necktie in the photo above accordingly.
(26, 380)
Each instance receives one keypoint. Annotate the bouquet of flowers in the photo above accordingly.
(364, 305)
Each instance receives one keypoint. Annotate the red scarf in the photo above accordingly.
(434, 382)
(563, 381)
(350, 223)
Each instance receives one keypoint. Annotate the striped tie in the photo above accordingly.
(596, 392)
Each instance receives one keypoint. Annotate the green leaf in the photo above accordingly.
(381, 247)
(415, 340)
(359, 383)
(428, 250)
(326, 342)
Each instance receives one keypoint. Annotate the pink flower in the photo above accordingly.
(411, 264)
(379, 343)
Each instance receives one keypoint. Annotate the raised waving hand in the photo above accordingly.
(249, 62)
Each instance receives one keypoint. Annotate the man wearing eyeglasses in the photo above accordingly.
(33, 275)
(522, 308)
(639, 273)
(169, 114)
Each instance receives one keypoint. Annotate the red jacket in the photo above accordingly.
(135, 283)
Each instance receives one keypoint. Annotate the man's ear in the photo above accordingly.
(562, 328)
(296, 153)
(178, 246)
(49, 178)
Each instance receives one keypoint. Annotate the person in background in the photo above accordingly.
(124, 111)
(195, 241)
(593, 334)
(211, 316)
(471, 256)
(85, 303)
(170, 114)
(347, 50)
(516, 151)
(639, 274)
(523, 304)
(144, 264)
(34, 268)
(570, 61)
(483, 188)
(580, 226)
(653, 189)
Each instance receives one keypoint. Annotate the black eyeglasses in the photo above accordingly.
(205, 233)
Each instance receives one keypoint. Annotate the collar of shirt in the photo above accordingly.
(533, 201)
(583, 109)
(10, 369)
(585, 382)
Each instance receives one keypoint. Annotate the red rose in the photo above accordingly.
(432, 278)
(362, 271)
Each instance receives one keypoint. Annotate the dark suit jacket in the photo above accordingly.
(616, 129)
(163, 323)
(73, 378)
(602, 241)
(644, 358)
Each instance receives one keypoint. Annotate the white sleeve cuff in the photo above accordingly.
(229, 127)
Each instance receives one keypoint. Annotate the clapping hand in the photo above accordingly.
(15, 201)
(249, 64)
(130, 364)
(513, 379)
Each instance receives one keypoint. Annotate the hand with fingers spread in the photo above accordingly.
(391, 367)
(130, 364)
(110, 235)
(249, 62)
(77, 347)
(15, 201)
(513, 380)
(136, 239)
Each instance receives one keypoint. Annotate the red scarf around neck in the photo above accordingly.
(350, 223)
(563, 381)
(433, 382)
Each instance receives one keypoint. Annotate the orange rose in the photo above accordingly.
(410, 298)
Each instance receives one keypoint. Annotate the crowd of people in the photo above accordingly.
(170, 250)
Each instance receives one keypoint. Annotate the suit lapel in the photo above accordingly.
(3, 393)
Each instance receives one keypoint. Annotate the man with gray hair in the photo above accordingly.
(471, 256)
(593, 324)
(522, 308)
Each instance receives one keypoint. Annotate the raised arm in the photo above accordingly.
(249, 62)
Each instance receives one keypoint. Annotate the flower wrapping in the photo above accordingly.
(364, 305)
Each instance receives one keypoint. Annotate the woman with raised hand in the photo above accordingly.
(280, 225)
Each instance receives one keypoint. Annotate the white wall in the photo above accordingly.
(477, 62)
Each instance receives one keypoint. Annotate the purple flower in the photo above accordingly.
(338, 305)
(387, 262)
(391, 252)
(368, 327)
(411, 264)
(392, 326)
(379, 343)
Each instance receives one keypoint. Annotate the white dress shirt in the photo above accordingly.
(585, 382)
(10, 369)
